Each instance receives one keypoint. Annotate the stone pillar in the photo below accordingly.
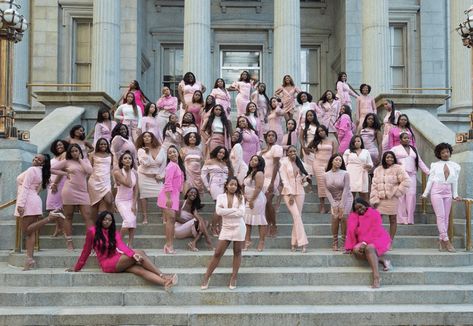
(197, 56)
(460, 60)
(21, 64)
(287, 41)
(106, 48)
(375, 45)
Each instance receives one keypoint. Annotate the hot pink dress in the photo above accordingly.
(394, 138)
(102, 131)
(139, 100)
(107, 263)
(124, 201)
(99, 183)
(250, 144)
(173, 183)
(75, 190)
(243, 97)
(344, 127)
(54, 200)
(387, 127)
(367, 228)
(28, 183)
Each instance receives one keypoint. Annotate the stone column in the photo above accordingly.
(106, 48)
(460, 60)
(197, 56)
(287, 41)
(21, 64)
(376, 46)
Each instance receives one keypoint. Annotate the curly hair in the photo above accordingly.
(440, 147)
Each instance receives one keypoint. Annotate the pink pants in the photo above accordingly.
(441, 198)
(298, 236)
(407, 203)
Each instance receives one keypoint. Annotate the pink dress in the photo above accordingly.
(276, 151)
(327, 114)
(249, 143)
(322, 156)
(75, 190)
(371, 144)
(367, 228)
(124, 201)
(243, 97)
(387, 127)
(99, 183)
(173, 182)
(102, 131)
(308, 158)
(288, 96)
(262, 106)
(119, 146)
(344, 127)
(394, 137)
(359, 179)
(292, 136)
(28, 183)
(214, 177)
(139, 100)
(223, 98)
(192, 162)
(256, 123)
(275, 121)
(233, 225)
(195, 109)
(255, 215)
(338, 192)
(150, 166)
(166, 106)
(54, 200)
(344, 92)
(106, 262)
(364, 105)
(150, 124)
(186, 229)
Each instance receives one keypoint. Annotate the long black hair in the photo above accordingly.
(352, 143)
(45, 171)
(97, 145)
(412, 147)
(307, 123)
(69, 149)
(226, 158)
(238, 192)
(258, 168)
(120, 164)
(299, 163)
(196, 203)
(100, 113)
(180, 162)
(225, 122)
(392, 115)
(317, 139)
(408, 125)
(346, 110)
(116, 130)
(169, 126)
(248, 79)
(376, 123)
(264, 94)
(289, 136)
(209, 106)
(148, 107)
(383, 159)
(53, 149)
(100, 242)
(133, 103)
(324, 99)
(330, 162)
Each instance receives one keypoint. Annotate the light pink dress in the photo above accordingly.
(166, 106)
(322, 156)
(288, 96)
(364, 105)
(54, 200)
(173, 183)
(28, 183)
(250, 144)
(186, 229)
(119, 146)
(367, 228)
(243, 97)
(223, 98)
(275, 122)
(233, 225)
(371, 144)
(124, 202)
(150, 166)
(327, 114)
(192, 162)
(359, 179)
(214, 177)
(302, 111)
(344, 127)
(344, 92)
(276, 151)
(262, 106)
(102, 131)
(338, 192)
(256, 123)
(309, 158)
(99, 183)
(195, 109)
(75, 190)
(255, 215)
(150, 124)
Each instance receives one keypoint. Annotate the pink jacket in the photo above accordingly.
(387, 183)
(292, 183)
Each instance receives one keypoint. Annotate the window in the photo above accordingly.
(398, 55)
(233, 62)
(173, 57)
(82, 51)
(310, 70)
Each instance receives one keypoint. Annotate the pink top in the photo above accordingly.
(394, 137)
(344, 92)
(173, 182)
(243, 88)
(408, 160)
(344, 127)
(103, 259)
(151, 124)
(302, 111)
(102, 131)
(28, 184)
(195, 109)
(288, 95)
(387, 125)
(261, 104)
(167, 103)
(223, 98)
(367, 228)
(54, 200)
(152, 165)
(327, 114)
(275, 121)
(139, 100)
(285, 140)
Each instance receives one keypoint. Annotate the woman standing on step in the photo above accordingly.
(221, 96)
(372, 136)
(150, 122)
(389, 121)
(167, 105)
(390, 182)
(216, 130)
(293, 177)
(192, 156)
(127, 195)
(115, 257)
(130, 115)
(99, 184)
(367, 239)
(337, 184)
(186, 89)
(231, 206)
(240, 168)
(121, 142)
(328, 111)
(243, 87)
(275, 118)
(74, 193)
(77, 136)
(250, 141)
(358, 162)
(307, 135)
(344, 126)
(195, 107)
(403, 126)
(103, 126)
(443, 186)
(28, 203)
(288, 92)
(344, 90)
(365, 104)
(168, 199)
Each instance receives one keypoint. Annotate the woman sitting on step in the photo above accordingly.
(367, 239)
(115, 257)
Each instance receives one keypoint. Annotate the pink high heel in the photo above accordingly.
(29, 264)
(169, 250)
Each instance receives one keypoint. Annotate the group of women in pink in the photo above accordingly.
(279, 146)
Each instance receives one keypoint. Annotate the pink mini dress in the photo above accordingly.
(173, 183)
(28, 183)
(255, 215)
(54, 199)
(124, 202)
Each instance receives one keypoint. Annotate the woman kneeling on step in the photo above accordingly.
(367, 239)
(115, 257)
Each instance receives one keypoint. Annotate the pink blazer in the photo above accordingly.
(173, 182)
(292, 182)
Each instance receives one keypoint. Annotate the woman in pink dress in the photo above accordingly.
(77, 136)
(121, 143)
(222, 96)
(287, 92)
(243, 87)
(304, 100)
(127, 195)
(293, 176)
(358, 163)
(255, 201)
(151, 166)
(28, 203)
(99, 184)
(344, 126)
(367, 239)
(262, 103)
(337, 185)
(250, 142)
(104, 125)
(240, 168)
(115, 257)
(251, 114)
(217, 130)
(323, 148)
(389, 121)
(290, 137)
(168, 199)
(140, 97)
(403, 127)
(344, 90)
(372, 136)
(74, 193)
(186, 89)
(409, 158)
(53, 198)
(192, 156)
(130, 115)
(364, 104)
(150, 121)
(328, 112)
(196, 106)
(172, 133)
(272, 154)
(390, 182)
(167, 105)
(306, 136)
(189, 223)
(276, 118)
(231, 206)
(214, 174)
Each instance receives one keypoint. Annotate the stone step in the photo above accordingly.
(237, 315)
(60, 258)
(248, 295)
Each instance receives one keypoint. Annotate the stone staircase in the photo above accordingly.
(275, 287)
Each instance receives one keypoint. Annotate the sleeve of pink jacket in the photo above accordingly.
(30, 175)
(86, 250)
(170, 171)
(283, 172)
(122, 246)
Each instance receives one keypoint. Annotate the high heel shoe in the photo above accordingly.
(449, 246)
(56, 214)
(293, 248)
(260, 246)
(442, 246)
(232, 286)
(69, 243)
(192, 247)
(205, 286)
(247, 245)
(169, 250)
(335, 243)
(304, 249)
(29, 264)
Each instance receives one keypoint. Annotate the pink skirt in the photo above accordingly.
(388, 206)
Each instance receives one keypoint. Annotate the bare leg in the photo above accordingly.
(203, 230)
(124, 232)
(247, 237)
(67, 226)
(322, 205)
(149, 276)
(144, 210)
(170, 216)
(270, 213)
(26, 222)
(237, 246)
(107, 202)
(392, 226)
(372, 258)
(334, 228)
(262, 235)
(85, 212)
(131, 237)
(222, 246)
